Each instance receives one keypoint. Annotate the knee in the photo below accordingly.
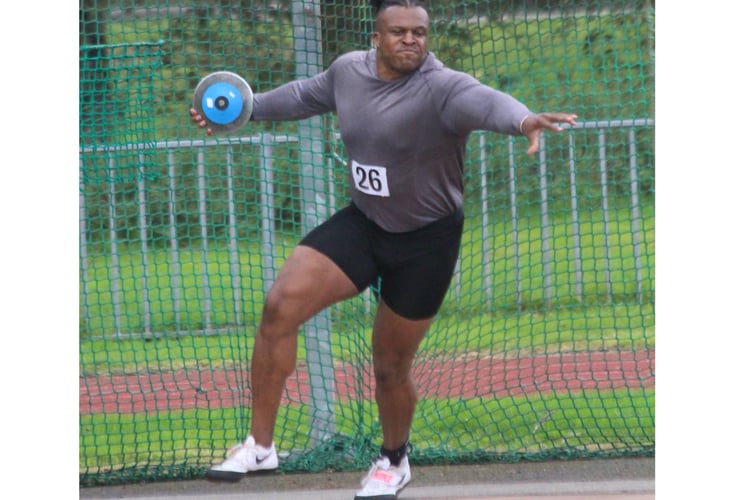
(280, 313)
(274, 304)
(392, 375)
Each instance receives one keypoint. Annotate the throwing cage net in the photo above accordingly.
(545, 345)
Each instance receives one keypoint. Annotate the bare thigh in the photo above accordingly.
(307, 283)
(395, 342)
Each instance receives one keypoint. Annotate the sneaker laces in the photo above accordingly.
(231, 451)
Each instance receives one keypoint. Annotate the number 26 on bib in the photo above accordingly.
(370, 179)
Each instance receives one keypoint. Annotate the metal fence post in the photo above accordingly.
(545, 229)
(306, 21)
(202, 213)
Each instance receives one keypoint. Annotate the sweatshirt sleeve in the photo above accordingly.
(471, 105)
(296, 100)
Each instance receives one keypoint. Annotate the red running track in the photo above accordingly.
(454, 378)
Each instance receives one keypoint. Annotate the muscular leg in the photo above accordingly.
(307, 283)
(395, 343)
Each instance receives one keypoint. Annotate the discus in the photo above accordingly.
(225, 100)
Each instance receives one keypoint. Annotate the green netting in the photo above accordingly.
(545, 345)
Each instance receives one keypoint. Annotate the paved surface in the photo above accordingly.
(598, 479)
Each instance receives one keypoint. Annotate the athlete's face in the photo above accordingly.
(401, 40)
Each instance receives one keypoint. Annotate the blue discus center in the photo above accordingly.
(222, 103)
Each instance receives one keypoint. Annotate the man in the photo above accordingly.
(404, 119)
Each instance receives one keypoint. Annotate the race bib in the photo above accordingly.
(370, 179)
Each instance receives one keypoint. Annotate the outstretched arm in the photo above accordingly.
(469, 105)
(533, 125)
(294, 100)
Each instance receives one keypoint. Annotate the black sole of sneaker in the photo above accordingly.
(220, 476)
(223, 476)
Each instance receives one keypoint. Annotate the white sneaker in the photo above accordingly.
(384, 480)
(243, 458)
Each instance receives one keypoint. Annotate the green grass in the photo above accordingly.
(482, 317)
(443, 430)
(571, 420)
(192, 269)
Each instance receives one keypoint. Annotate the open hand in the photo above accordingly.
(534, 124)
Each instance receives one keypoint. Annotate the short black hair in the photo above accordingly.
(379, 5)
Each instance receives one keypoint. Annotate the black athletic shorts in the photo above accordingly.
(415, 267)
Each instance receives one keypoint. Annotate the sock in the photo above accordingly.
(395, 456)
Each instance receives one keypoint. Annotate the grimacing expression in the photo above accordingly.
(400, 38)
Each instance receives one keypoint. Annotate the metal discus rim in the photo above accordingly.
(236, 81)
